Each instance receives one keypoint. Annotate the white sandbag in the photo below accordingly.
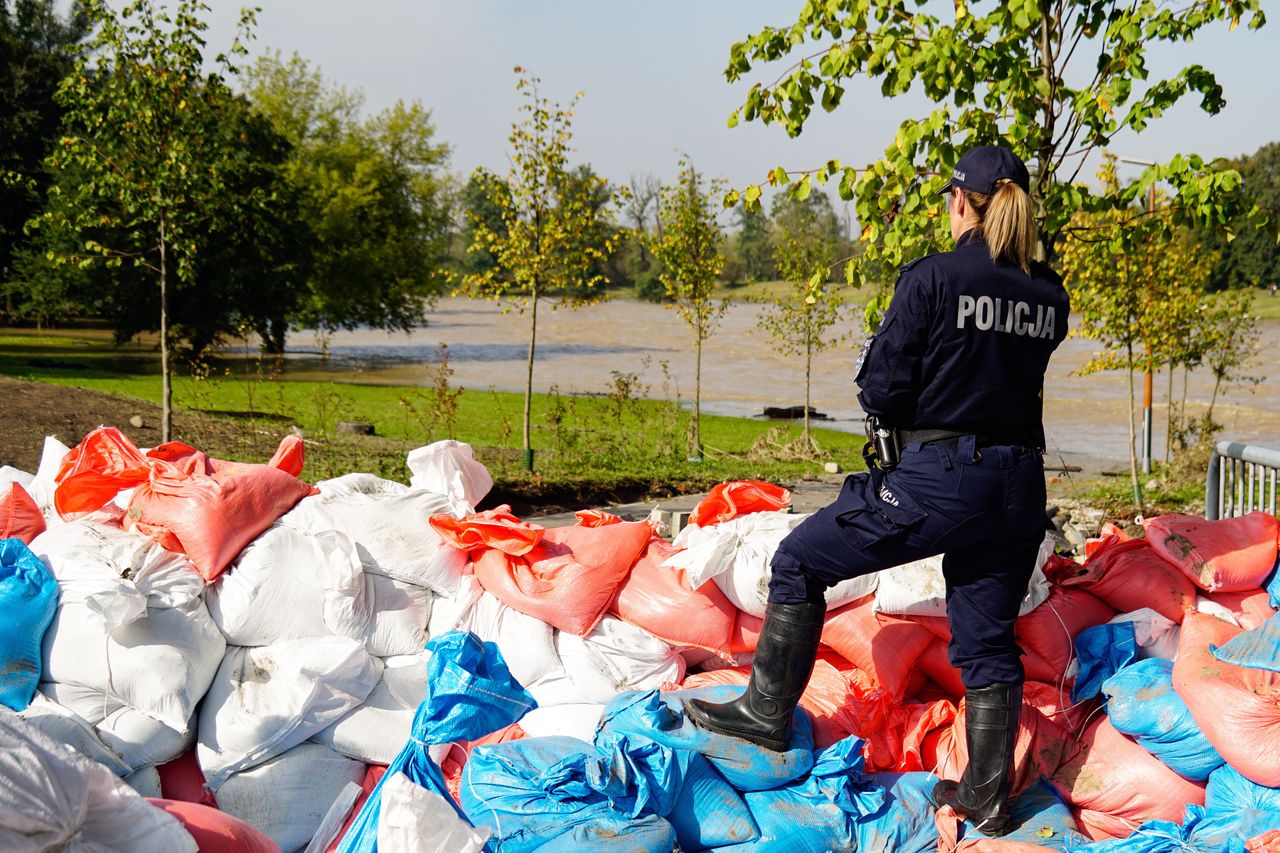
(919, 589)
(736, 555)
(401, 616)
(287, 797)
(616, 656)
(578, 720)
(1213, 608)
(388, 523)
(139, 740)
(413, 819)
(527, 644)
(52, 798)
(69, 728)
(267, 699)
(290, 585)
(146, 781)
(42, 484)
(161, 664)
(449, 468)
(376, 730)
(1155, 634)
(9, 474)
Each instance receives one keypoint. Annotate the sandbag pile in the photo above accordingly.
(228, 634)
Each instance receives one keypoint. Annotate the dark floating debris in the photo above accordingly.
(792, 413)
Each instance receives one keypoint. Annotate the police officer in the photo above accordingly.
(954, 373)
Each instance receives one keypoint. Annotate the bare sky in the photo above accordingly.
(652, 72)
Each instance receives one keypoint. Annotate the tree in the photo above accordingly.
(1250, 257)
(140, 127)
(1054, 80)
(553, 237)
(374, 192)
(754, 250)
(799, 320)
(688, 250)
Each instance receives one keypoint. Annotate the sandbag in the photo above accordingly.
(145, 781)
(401, 614)
(1142, 703)
(206, 508)
(93, 472)
(1256, 648)
(267, 699)
(935, 663)
(1102, 651)
(215, 831)
(286, 797)
(182, 779)
(1249, 608)
(663, 602)
(1228, 555)
(28, 601)
(389, 523)
(570, 577)
(615, 657)
(577, 721)
(1250, 809)
(1155, 635)
(1039, 821)
(1040, 747)
(378, 728)
(449, 468)
(1117, 785)
(709, 813)
(1129, 575)
(69, 728)
(138, 739)
(414, 818)
(493, 528)
(20, 516)
(1237, 708)
(51, 798)
(883, 647)
(731, 500)
(1047, 633)
(291, 585)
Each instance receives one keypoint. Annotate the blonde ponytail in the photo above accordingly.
(1006, 222)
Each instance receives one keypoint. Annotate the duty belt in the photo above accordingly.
(929, 436)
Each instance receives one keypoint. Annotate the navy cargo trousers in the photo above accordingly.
(983, 507)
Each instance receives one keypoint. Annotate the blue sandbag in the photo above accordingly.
(1237, 806)
(1142, 703)
(1102, 650)
(28, 600)
(709, 812)
(1040, 816)
(559, 793)
(905, 823)
(744, 765)
(1272, 585)
(470, 693)
(1196, 834)
(1257, 648)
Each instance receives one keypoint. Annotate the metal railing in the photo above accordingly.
(1241, 478)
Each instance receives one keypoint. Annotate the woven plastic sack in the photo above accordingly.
(20, 516)
(1228, 555)
(492, 529)
(136, 738)
(1250, 809)
(415, 818)
(1039, 749)
(1142, 703)
(884, 647)
(1047, 634)
(738, 498)
(28, 601)
(1249, 608)
(1039, 820)
(1237, 708)
(214, 830)
(1258, 648)
(615, 657)
(1129, 575)
(449, 468)
(1102, 651)
(103, 464)
(378, 728)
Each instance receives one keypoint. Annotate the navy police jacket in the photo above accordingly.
(964, 344)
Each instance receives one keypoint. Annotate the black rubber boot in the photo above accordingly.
(991, 729)
(783, 663)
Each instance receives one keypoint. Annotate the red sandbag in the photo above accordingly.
(460, 753)
(182, 779)
(884, 647)
(741, 497)
(289, 456)
(1110, 534)
(492, 529)
(934, 663)
(569, 578)
(1047, 634)
(1267, 842)
(20, 517)
(215, 831)
(896, 734)
(96, 470)
(1041, 747)
(660, 600)
(1229, 555)
(1117, 785)
(596, 518)
(1129, 575)
(372, 776)
(1237, 708)
(206, 508)
(1055, 703)
(1250, 608)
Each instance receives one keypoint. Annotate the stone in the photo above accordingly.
(832, 467)
(354, 428)
(136, 422)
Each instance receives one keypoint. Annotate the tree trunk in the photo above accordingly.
(528, 380)
(1168, 420)
(697, 400)
(166, 386)
(1133, 449)
(808, 363)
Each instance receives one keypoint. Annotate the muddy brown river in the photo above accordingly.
(741, 373)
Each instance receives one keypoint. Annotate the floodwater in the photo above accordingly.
(741, 374)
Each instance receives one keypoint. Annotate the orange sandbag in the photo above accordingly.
(206, 508)
(1117, 785)
(1129, 575)
(741, 497)
(492, 529)
(93, 472)
(569, 578)
(1229, 555)
(289, 456)
(1111, 533)
(20, 517)
(884, 647)
(596, 518)
(896, 734)
(660, 600)
(1047, 634)
(459, 753)
(1267, 842)
(372, 776)
(1041, 747)
(215, 831)
(182, 779)
(1237, 708)
(1250, 608)
(934, 663)
(1054, 701)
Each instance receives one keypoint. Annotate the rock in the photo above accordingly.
(136, 422)
(1152, 485)
(1074, 535)
(354, 428)
(832, 467)
(1051, 510)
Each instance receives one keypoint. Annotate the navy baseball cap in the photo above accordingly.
(983, 166)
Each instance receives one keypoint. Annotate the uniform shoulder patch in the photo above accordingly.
(910, 265)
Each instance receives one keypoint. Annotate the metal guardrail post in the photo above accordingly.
(1241, 478)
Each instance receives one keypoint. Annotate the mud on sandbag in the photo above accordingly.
(1227, 555)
